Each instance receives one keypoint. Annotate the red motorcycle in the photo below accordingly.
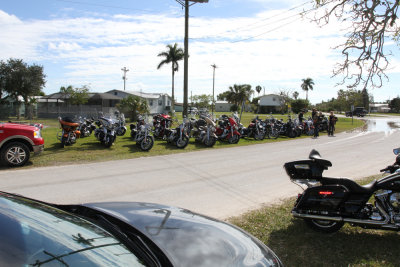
(227, 129)
(160, 123)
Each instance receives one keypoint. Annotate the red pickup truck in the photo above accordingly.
(17, 141)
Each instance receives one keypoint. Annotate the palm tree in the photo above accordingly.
(307, 85)
(172, 55)
(239, 93)
(295, 95)
(258, 89)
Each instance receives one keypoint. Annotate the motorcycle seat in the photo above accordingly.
(350, 184)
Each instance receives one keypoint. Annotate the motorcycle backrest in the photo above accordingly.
(303, 170)
(314, 155)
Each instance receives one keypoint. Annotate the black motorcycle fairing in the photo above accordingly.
(391, 182)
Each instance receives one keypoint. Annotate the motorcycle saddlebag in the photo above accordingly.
(303, 170)
(323, 198)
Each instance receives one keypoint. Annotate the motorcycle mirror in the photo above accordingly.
(396, 151)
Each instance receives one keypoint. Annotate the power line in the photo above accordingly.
(258, 35)
(274, 22)
(107, 6)
(268, 18)
(230, 32)
(274, 29)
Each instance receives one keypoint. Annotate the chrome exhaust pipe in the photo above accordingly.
(383, 223)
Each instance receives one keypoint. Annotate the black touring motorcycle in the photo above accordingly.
(328, 203)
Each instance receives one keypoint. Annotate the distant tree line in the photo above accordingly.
(346, 99)
(20, 81)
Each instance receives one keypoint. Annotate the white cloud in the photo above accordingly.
(92, 51)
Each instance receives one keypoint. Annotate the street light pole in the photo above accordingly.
(186, 62)
(125, 70)
(213, 102)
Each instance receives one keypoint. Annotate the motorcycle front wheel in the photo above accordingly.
(324, 226)
(259, 136)
(147, 144)
(234, 139)
(121, 132)
(273, 133)
(109, 141)
(210, 142)
(182, 142)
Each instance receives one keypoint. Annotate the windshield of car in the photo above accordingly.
(34, 234)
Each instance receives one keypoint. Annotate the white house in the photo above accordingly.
(271, 103)
(223, 106)
(382, 108)
(158, 103)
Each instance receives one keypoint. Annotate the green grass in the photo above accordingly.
(297, 245)
(88, 149)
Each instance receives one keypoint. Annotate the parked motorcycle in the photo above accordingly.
(69, 131)
(178, 136)
(271, 128)
(290, 128)
(140, 133)
(227, 129)
(204, 131)
(120, 128)
(308, 127)
(86, 127)
(255, 129)
(106, 132)
(327, 203)
(160, 123)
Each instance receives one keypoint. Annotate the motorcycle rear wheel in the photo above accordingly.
(324, 226)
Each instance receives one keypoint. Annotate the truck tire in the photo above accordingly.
(15, 154)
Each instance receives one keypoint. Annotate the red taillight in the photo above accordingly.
(326, 193)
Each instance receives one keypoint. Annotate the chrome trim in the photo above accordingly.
(349, 220)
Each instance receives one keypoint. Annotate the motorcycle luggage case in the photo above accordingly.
(323, 198)
(303, 170)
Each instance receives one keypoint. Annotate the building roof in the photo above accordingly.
(104, 96)
(90, 95)
(140, 94)
(273, 95)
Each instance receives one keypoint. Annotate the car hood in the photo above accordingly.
(191, 239)
(18, 126)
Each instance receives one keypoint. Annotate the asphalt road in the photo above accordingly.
(216, 182)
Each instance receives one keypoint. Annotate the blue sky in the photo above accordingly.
(256, 42)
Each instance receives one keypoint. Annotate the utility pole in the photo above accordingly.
(186, 5)
(213, 102)
(125, 70)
